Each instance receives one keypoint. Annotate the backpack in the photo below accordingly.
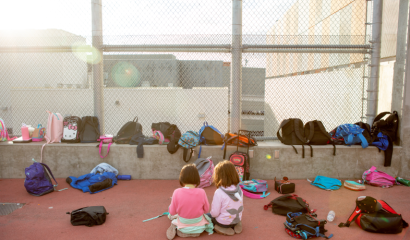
(351, 134)
(128, 130)
(90, 129)
(209, 135)
(253, 188)
(4, 135)
(240, 159)
(173, 134)
(293, 133)
(38, 181)
(326, 183)
(71, 129)
(316, 134)
(375, 216)
(205, 168)
(160, 137)
(355, 186)
(237, 140)
(302, 225)
(89, 216)
(289, 203)
(38, 133)
(386, 127)
(188, 140)
(54, 130)
(378, 178)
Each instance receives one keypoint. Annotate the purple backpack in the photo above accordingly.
(38, 181)
(378, 178)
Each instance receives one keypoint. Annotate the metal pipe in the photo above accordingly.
(256, 50)
(166, 46)
(125, 49)
(373, 86)
(265, 138)
(236, 67)
(98, 68)
(366, 46)
(398, 72)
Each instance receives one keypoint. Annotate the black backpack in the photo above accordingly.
(389, 128)
(90, 129)
(293, 133)
(316, 134)
(289, 203)
(128, 130)
(174, 134)
(88, 216)
(71, 129)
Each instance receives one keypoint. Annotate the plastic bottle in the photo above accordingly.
(331, 216)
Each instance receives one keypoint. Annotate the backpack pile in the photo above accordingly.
(375, 216)
(385, 130)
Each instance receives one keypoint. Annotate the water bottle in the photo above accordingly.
(331, 216)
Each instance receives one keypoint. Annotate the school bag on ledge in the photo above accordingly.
(376, 216)
(351, 134)
(4, 135)
(90, 129)
(54, 130)
(71, 129)
(188, 140)
(127, 131)
(209, 135)
(293, 133)
(389, 128)
(316, 134)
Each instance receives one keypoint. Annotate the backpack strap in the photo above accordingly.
(352, 217)
(311, 130)
(136, 118)
(380, 116)
(50, 173)
(297, 132)
(364, 144)
(186, 153)
(303, 204)
(108, 150)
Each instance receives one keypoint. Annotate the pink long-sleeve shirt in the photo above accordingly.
(222, 202)
(189, 203)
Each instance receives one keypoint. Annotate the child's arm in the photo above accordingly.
(173, 206)
(206, 204)
(216, 204)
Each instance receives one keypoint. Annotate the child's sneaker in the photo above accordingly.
(184, 235)
(238, 227)
(171, 232)
(224, 231)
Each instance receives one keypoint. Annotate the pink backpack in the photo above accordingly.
(378, 178)
(54, 130)
(205, 168)
(4, 135)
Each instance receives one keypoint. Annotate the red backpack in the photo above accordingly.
(240, 159)
(375, 216)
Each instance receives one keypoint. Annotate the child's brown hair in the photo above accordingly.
(189, 175)
(225, 174)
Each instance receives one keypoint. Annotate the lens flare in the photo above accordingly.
(86, 53)
(125, 74)
(268, 156)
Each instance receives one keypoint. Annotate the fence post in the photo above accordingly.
(398, 74)
(98, 67)
(236, 67)
(373, 87)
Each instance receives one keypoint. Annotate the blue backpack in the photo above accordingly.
(209, 135)
(188, 140)
(38, 181)
(326, 183)
(351, 134)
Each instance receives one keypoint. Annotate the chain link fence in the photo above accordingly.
(170, 60)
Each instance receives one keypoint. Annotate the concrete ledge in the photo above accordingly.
(78, 159)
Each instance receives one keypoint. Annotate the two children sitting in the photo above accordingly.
(190, 207)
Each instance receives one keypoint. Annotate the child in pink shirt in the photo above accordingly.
(227, 205)
(189, 204)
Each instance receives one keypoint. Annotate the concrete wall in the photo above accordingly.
(78, 159)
